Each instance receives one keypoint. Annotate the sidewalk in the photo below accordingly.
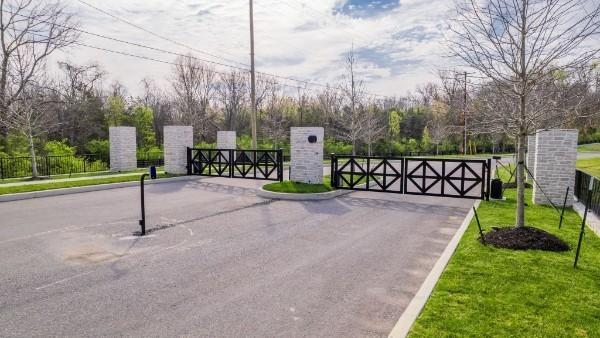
(592, 220)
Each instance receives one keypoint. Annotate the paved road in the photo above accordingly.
(219, 261)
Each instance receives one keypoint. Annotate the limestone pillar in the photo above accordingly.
(530, 155)
(226, 140)
(554, 170)
(123, 150)
(307, 154)
(176, 141)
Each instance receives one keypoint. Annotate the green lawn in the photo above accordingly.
(71, 184)
(590, 165)
(489, 292)
(299, 188)
(593, 147)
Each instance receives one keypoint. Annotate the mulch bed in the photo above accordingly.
(525, 238)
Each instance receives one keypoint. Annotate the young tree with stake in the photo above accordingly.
(519, 45)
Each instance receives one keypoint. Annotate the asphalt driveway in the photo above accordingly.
(219, 261)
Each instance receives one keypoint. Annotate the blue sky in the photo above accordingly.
(398, 43)
(365, 8)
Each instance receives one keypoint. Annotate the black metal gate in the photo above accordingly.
(250, 164)
(461, 178)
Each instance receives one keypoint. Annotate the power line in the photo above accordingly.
(156, 34)
(167, 51)
(184, 45)
(205, 60)
(305, 82)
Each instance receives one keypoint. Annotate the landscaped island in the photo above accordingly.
(299, 188)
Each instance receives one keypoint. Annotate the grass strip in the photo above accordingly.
(590, 166)
(490, 292)
(73, 184)
(592, 147)
(299, 188)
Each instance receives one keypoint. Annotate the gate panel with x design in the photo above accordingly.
(368, 173)
(250, 164)
(462, 178)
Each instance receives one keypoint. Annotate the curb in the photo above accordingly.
(77, 190)
(416, 305)
(301, 197)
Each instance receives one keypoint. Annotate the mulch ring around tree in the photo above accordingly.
(524, 238)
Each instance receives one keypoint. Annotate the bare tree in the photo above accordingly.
(28, 115)
(159, 102)
(519, 45)
(438, 126)
(232, 93)
(329, 102)
(376, 126)
(30, 31)
(350, 123)
(194, 86)
(274, 122)
(80, 112)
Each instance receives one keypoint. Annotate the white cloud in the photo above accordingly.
(301, 39)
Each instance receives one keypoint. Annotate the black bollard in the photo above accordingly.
(143, 207)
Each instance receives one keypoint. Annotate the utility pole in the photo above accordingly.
(465, 116)
(252, 79)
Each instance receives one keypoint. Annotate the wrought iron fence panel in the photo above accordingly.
(368, 173)
(15, 167)
(463, 178)
(250, 164)
(582, 192)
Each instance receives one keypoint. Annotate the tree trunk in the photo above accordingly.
(522, 138)
(34, 170)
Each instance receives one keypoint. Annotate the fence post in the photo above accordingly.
(231, 161)
(332, 171)
(1, 168)
(280, 164)
(488, 179)
(189, 161)
(48, 170)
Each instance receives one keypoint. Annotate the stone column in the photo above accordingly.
(530, 155)
(554, 171)
(176, 141)
(226, 140)
(123, 150)
(307, 154)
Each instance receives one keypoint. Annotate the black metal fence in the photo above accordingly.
(152, 158)
(14, 167)
(251, 164)
(462, 178)
(582, 183)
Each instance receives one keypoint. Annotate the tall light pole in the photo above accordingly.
(252, 79)
(465, 115)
